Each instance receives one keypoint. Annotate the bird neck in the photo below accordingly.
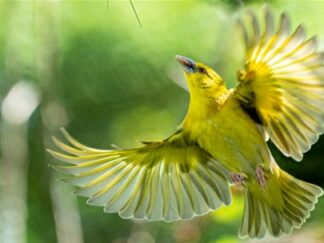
(203, 104)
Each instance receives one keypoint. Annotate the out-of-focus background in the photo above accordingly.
(109, 78)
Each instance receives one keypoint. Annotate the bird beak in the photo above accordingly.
(188, 64)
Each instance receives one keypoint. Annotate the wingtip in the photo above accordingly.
(65, 133)
(265, 7)
(54, 139)
(50, 165)
(63, 130)
(301, 28)
(50, 151)
(55, 167)
(321, 192)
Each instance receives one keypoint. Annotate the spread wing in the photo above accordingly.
(168, 180)
(282, 83)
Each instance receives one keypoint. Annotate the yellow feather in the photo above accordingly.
(283, 70)
(220, 142)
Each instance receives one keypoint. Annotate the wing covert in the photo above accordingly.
(166, 180)
(283, 80)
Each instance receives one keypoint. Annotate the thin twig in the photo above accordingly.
(133, 7)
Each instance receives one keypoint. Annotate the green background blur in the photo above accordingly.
(91, 67)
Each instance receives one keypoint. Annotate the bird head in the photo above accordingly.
(201, 79)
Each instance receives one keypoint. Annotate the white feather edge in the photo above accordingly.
(109, 178)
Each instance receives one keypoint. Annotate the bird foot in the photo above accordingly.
(260, 175)
(239, 179)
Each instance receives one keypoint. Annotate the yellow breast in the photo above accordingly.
(231, 136)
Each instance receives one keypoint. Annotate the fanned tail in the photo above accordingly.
(288, 206)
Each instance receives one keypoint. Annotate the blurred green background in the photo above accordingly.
(91, 67)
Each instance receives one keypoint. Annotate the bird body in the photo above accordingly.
(220, 133)
(220, 126)
(221, 142)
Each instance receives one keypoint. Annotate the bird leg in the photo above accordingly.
(239, 179)
(260, 175)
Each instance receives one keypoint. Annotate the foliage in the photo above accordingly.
(110, 81)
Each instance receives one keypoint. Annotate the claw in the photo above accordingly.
(260, 176)
(239, 179)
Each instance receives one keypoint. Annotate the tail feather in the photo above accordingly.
(296, 200)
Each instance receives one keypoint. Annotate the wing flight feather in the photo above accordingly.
(168, 180)
(283, 81)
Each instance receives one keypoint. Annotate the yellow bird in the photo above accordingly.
(221, 141)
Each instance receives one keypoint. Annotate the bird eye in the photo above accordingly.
(202, 70)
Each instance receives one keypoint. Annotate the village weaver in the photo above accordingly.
(221, 141)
